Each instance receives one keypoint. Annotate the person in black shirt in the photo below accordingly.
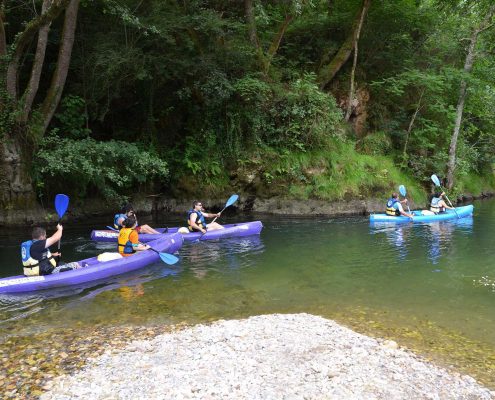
(36, 256)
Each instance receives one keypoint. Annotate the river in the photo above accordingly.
(430, 287)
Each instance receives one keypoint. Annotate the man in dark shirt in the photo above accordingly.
(40, 251)
(39, 254)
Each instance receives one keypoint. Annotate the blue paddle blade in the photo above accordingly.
(168, 258)
(112, 228)
(232, 199)
(61, 204)
(402, 190)
(435, 180)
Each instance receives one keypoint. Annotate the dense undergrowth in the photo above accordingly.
(200, 99)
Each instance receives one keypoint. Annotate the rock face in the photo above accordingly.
(264, 357)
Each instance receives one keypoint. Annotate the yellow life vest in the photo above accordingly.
(126, 247)
(390, 210)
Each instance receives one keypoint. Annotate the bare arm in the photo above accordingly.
(192, 219)
(210, 215)
(55, 237)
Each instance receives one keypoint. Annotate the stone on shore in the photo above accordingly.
(276, 356)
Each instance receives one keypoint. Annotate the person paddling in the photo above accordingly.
(394, 206)
(127, 211)
(128, 241)
(196, 219)
(438, 204)
(37, 258)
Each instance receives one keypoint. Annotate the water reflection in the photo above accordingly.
(438, 236)
(222, 255)
(202, 258)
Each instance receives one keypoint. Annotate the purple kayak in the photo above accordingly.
(230, 230)
(94, 270)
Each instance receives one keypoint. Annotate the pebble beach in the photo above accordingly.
(277, 356)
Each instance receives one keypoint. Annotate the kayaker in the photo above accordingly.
(438, 204)
(37, 258)
(196, 219)
(394, 206)
(127, 211)
(128, 241)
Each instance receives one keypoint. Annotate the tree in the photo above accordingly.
(485, 23)
(328, 71)
(19, 122)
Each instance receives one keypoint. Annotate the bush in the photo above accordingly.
(108, 168)
(375, 144)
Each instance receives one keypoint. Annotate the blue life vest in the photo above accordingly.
(391, 210)
(200, 220)
(26, 254)
(116, 220)
(434, 205)
(30, 264)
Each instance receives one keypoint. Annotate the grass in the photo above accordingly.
(338, 172)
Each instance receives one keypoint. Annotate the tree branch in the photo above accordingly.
(32, 87)
(54, 94)
(328, 72)
(24, 38)
(3, 39)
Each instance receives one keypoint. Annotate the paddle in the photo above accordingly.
(61, 204)
(112, 228)
(402, 191)
(167, 258)
(232, 199)
(436, 181)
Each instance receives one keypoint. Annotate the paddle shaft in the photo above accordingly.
(440, 186)
(214, 219)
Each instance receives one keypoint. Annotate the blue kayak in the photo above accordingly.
(459, 212)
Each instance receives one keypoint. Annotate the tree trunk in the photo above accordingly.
(276, 42)
(468, 66)
(264, 60)
(3, 38)
(354, 63)
(24, 38)
(59, 76)
(328, 72)
(16, 190)
(39, 58)
(409, 128)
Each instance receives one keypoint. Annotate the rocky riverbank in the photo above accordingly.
(149, 204)
(264, 357)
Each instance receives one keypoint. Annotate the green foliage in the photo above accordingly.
(295, 117)
(72, 117)
(200, 158)
(375, 144)
(336, 173)
(87, 166)
(185, 77)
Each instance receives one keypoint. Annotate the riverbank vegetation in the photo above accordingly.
(299, 98)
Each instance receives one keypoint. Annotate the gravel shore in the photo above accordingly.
(276, 356)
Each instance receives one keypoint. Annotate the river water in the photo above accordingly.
(430, 287)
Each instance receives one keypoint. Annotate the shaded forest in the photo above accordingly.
(324, 99)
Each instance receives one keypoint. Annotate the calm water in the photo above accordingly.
(430, 287)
